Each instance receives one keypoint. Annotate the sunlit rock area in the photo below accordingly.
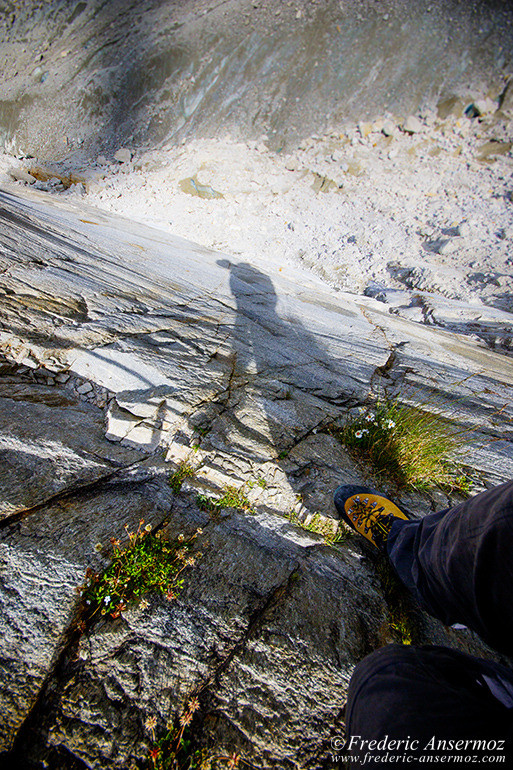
(224, 228)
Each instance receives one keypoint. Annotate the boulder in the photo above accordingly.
(413, 125)
(389, 128)
(123, 155)
(20, 175)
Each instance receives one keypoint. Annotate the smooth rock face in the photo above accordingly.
(22, 176)
(240, 372)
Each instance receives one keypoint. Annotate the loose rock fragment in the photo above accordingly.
(413, 125)
(22, 176)
(123, 155)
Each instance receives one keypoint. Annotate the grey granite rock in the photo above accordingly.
(43, 559)
(266, 631)
(240, 372)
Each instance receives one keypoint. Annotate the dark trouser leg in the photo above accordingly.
(425, 697)
(459, 564)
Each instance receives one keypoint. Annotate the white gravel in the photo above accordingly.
(413, 210)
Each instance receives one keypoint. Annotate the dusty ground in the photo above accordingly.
(422, 219)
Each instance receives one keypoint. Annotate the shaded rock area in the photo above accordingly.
(82, 78)
(125, 352)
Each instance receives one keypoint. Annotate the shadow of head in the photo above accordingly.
(250, 287)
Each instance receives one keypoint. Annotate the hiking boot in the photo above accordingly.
(368, 512)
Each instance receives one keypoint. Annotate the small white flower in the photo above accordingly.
(359, 433)
(390, 424)
(107, 599)
(370, 417)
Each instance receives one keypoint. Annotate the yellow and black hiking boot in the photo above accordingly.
(368, 512)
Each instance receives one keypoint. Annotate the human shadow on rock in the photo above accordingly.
(284, 385)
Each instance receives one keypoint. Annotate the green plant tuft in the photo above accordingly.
(410, 446)
(231, 498)
(177, 748)
(184, 471)
(403, 623)
(259, 481)
(234, 498)
(173, 750)
(400, 625)
(147, 563)
(321, 527)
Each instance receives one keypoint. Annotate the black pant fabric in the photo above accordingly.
(432, 699)
(458, 564)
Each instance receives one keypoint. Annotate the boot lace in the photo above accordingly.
(371, 518)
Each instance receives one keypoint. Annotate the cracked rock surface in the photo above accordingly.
(125, 352)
